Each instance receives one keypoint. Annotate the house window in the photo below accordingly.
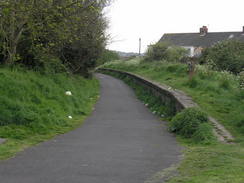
(190, 50)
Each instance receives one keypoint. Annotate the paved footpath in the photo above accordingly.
(121, 142)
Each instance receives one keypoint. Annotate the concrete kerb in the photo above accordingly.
(182, 101)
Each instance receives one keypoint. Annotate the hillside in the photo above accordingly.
(34, 107)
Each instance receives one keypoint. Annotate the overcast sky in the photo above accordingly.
(150, 19)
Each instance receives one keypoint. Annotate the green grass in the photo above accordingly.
(218, 94)
(219, 163)
(34, 107)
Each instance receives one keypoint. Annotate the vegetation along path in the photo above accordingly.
(120, 142)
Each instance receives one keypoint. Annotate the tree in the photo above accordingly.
(14, 17)
(73, 31)
(107, 56)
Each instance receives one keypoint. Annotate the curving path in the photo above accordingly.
(121, 142)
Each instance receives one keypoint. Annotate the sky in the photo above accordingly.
(130, 20)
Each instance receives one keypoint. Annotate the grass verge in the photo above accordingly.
(34, 107)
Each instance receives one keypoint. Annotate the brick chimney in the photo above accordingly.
(204, 30)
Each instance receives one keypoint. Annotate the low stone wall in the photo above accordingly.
(168, 95)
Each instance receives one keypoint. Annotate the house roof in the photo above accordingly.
(198, 40)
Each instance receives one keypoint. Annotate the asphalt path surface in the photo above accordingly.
(121, 142)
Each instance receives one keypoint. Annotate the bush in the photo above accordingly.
(175, 54)
(187, 122)
(107, 56)
(227, 55)
(47, 64)
(164, 51)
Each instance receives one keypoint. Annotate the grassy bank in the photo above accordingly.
(34, 107)
(219, 95)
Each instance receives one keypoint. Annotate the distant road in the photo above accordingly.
(121, 142)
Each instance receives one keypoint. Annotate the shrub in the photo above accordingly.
(227, 55)
(164, 51)
(107, 56)
(187, 122)
(175, 54)
(48, 64)
(156, 51)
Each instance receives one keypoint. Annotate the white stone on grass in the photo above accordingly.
(70, 117)
(68, 93)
